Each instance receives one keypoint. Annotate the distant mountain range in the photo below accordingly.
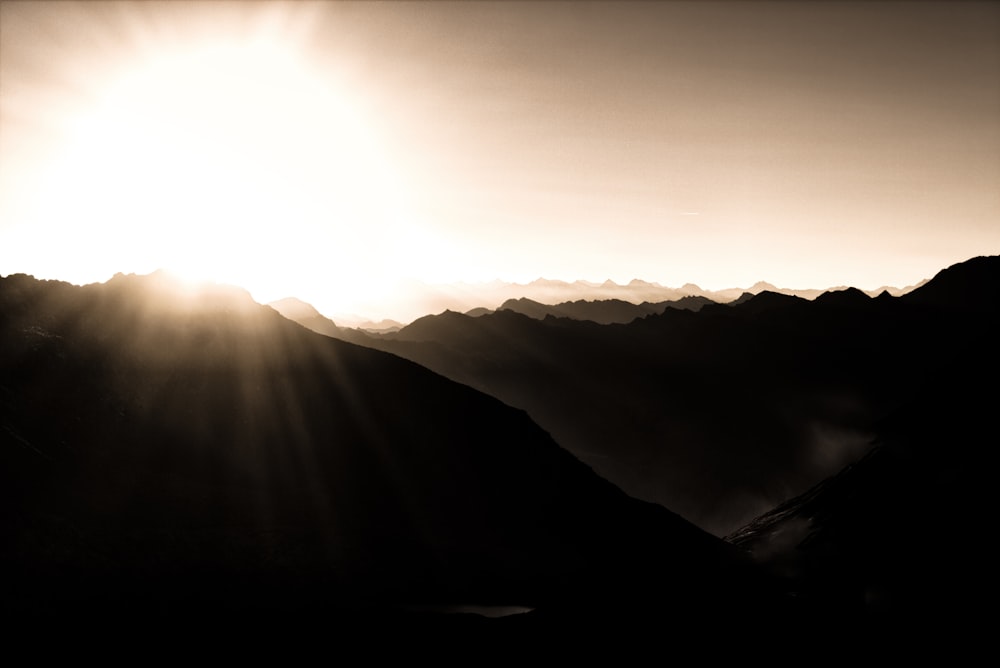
(602, 311)
(718, 414)
(184, 465)
(426, 299)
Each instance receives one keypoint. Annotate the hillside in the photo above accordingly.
(723, 413)
(169, 453)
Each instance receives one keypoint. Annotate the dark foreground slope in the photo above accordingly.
(724, 413)
(170, 457)
(902, 538)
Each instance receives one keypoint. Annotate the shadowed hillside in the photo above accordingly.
(724, 413)
(187, 454)
(898, 537)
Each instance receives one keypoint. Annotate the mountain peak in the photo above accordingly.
(547, 282)
(845, 297)
(766, 301)
(973, 283)
(294, 308)
(762, 286)
(176, 293)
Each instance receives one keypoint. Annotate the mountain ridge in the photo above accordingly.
(425, 299)
(801, 380)
(898, 532)
(186, 447)
(171, 453)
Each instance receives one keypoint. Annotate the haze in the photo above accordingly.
(335, 150)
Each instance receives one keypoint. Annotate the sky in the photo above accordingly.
(336, 151)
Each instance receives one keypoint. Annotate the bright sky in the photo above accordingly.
(330, 150)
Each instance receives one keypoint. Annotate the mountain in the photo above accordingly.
(604, 311)
(968, 286)
(723, 413)
(175, 460)
(898, 535)
(296, 309)
(896, 292)
(306, 315)
(380, 327)
(846, 297)
(423, 299)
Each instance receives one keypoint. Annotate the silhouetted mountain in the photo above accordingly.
(848, 298)
(422, 299)
(728, 295)
(766, 301)
(896, 292)
(897, 538)
(380, 327)
(296, 309)
(970, 285)
(605, 311)
(743, 297)
(178, 458)
(528, 307)
(691, 303)
(724, 413)
(307, 316)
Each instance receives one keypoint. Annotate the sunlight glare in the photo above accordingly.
(229, 160)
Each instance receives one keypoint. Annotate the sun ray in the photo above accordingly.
(221, 152)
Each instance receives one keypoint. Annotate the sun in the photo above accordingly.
(227, 158)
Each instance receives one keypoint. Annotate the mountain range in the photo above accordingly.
(722, 413)
(897, 536)
(601, 311)
(178, 458)
(423, 298)
(773, 474)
